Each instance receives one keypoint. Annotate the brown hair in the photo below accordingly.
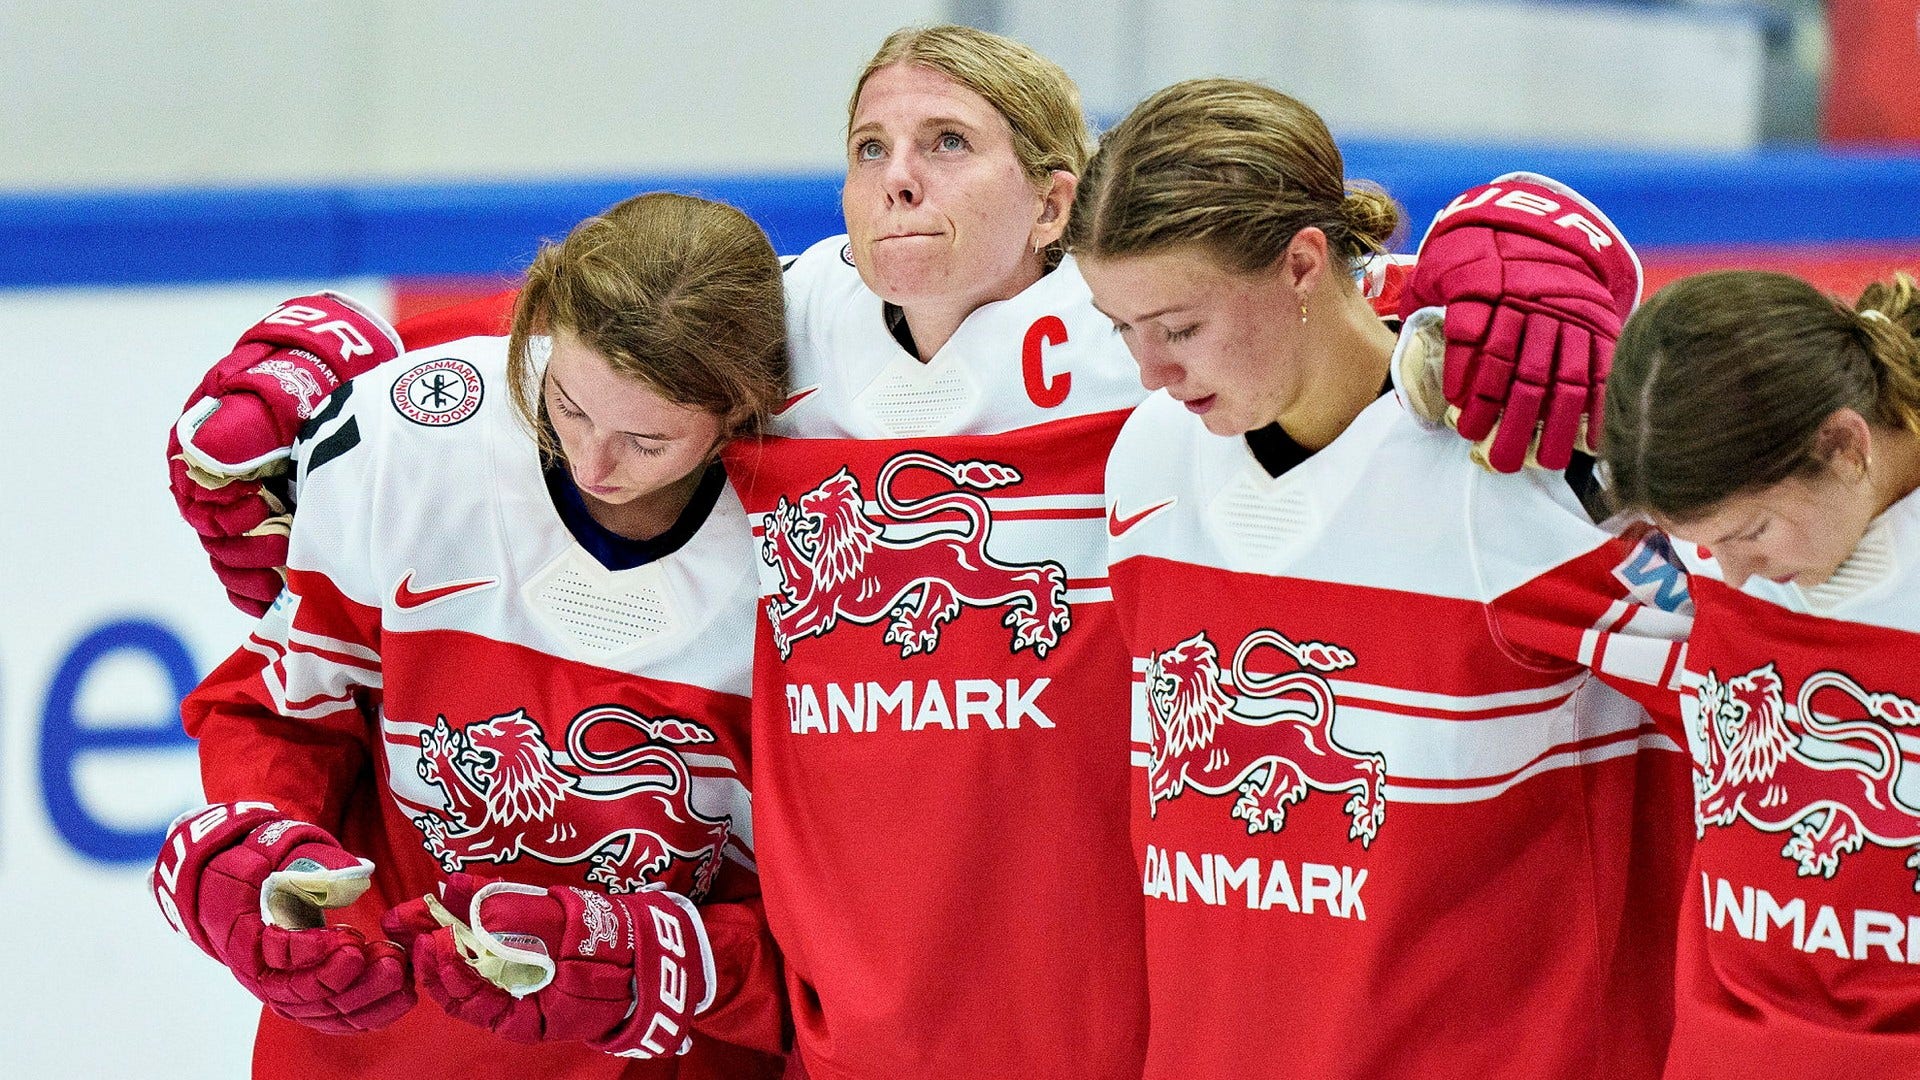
(680, 294)
(1722, 382)
(1232, 166)
(1039, 101)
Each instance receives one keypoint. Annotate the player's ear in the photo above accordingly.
(1306, 261)
(1845, 443)
(1056, 202)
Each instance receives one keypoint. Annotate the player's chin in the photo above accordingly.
(905, 277)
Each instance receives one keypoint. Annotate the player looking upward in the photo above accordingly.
(513, 647)
(1399, 808)
(941, 695)
(1780, 430)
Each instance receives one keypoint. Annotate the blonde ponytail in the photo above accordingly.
(1889, 326)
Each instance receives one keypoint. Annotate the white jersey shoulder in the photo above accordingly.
(1391, 503)
(1045, 354)
(397, 457)
(439, 515)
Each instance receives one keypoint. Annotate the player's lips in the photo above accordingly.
(598, 489)
(1198, 406)
(906, 236)
(1783, 579)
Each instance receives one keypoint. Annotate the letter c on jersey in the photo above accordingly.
(1045, 392)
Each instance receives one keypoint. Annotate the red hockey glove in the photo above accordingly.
(623, 973)
(1534, 283)
(239, 425)
(249, 887)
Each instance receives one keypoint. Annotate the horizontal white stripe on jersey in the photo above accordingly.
(1076, 597)
(1482, 789)
(332, 645)
(1653, 661)
(716, 790)
(320, 700)
(1344, 689)
(1095, 503)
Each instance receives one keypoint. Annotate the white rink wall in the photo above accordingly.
(96, 563)
(122, 94)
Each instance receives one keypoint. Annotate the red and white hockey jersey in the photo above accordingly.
(1800, 939)
(1400, 809)
(452, 683)
(940, 704)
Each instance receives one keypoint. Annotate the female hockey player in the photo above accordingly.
(1779, 430)
(1399, 808)
(510, 671)
(941, 692)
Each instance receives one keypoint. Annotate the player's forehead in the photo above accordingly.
(907, 97)
(1133, 288)
(613, 399)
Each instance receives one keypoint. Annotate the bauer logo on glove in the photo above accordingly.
(1532, 284)
(624, 973)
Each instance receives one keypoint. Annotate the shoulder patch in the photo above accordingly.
(438, 393)
(846, 253)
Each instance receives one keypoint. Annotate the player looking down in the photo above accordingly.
(1396, 779)
(1779, 430)
(941, 692)
(509, 672)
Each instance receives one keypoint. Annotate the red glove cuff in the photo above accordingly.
(1547, 210)
(255, 832)
(343, 337)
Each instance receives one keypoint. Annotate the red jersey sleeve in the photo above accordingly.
(1620, 610)
(285, 718)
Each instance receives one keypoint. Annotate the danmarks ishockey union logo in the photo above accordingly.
(1215, 743)
(506, 798)
(1833, 783)
(836, 561)
(438, 393)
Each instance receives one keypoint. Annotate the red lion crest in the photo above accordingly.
(1205, 740)
(1831, 782)
(836, 562)
(505, 800)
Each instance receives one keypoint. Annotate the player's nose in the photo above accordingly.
(1156, 371)
(1736, 569)
(596, 461)
(903, 181)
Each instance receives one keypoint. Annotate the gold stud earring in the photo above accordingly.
(1303, 313)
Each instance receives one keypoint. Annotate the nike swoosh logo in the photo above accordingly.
(406, 598)
(1116, 525)
(795, 398)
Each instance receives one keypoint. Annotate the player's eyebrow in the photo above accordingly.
(1169, 310)
(1751, 524)
(928, 123)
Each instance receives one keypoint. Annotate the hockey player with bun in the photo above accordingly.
(1779, 431)
(1397, 780)
(940, 776)
(489, 748)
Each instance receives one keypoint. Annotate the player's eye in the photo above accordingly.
(644, 447)
(868, 150)
(950, 141)
(1181, 334)
(1121, 328)
(559, 405)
